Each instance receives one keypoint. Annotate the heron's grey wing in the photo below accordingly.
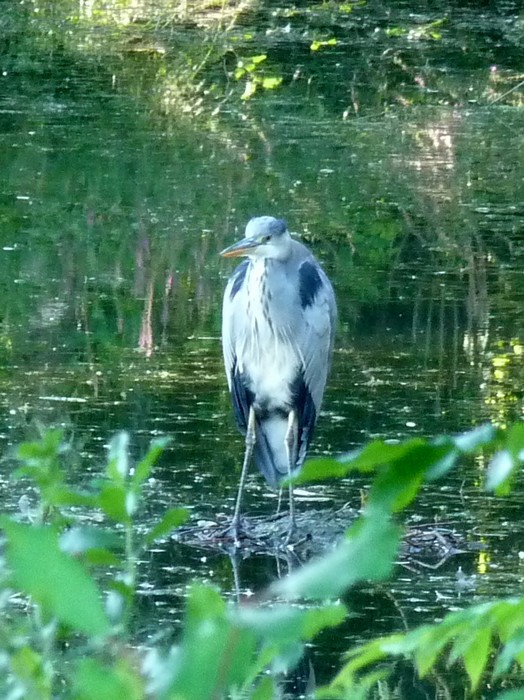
(233, 313)
(314, 342)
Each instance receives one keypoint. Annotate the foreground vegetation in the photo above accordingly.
(68, 589)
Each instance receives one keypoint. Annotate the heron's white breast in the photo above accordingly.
(268, 356)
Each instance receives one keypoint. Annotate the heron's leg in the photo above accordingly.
(250, 444)
(292, 456)
(279, 502)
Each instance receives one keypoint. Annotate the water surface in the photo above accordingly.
(113, 214)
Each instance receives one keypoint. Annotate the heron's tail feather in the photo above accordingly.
(270, 452)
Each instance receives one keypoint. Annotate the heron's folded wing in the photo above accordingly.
(233, 311)
(316, 329)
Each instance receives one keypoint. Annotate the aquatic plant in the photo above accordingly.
(68, 590)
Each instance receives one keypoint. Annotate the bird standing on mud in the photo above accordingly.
(278, 324)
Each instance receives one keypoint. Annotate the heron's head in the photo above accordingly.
(265, 237)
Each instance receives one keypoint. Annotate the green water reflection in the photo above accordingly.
(112, 216)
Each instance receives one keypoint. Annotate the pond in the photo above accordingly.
(394, 153)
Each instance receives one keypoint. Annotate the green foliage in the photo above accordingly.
(227, 650)
(94, 680)
(466, 635)
(54, 580)
(250, 68)
(318, 44)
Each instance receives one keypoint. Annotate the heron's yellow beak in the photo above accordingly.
(242, 247)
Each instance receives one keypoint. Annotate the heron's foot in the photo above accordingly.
(235, 530)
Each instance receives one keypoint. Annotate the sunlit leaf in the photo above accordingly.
(473, 440)
(499, 472)
(53, 579)
(118, 461)
(396, 31)
(316, 44)
(504, 464)
(271, 83)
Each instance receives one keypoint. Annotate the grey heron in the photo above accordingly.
(278, 324)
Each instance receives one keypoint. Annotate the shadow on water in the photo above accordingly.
(408, 190)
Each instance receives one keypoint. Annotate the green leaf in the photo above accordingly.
(172, 519)
(379, 453)
(203, 603)
(374, 455)
(397, 485)
(113, 501)
(284, 624)
(215, 654)
(473, 440)
(367, 553)
(93, 680)
(360, 658)
(320, 469)
(80, 539)
(64, 496)
(512, 649)
(27, 665)
(430, 641)
(476, 653)
(443, 465)
(55, 581)
(265, 689)
(506, 462)
(42, 451)
(144, 467)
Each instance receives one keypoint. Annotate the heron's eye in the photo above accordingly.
(266, 239)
